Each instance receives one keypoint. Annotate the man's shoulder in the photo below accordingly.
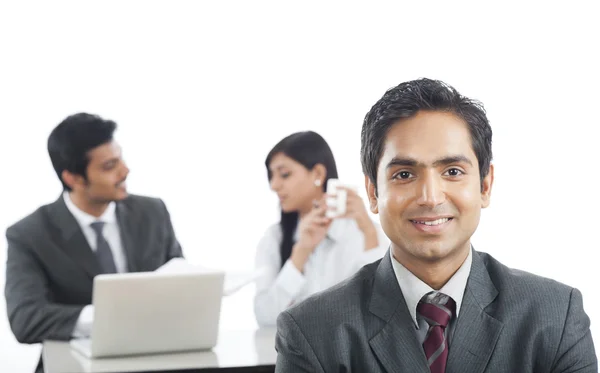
(519, 284)
(30, 223)
(143, 203)
(343, 302)
(136, 199)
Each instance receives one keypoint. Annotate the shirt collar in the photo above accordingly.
(414, 289)
(84, 219)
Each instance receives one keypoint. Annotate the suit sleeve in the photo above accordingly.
(576, 349)
(32, 314)
(173, 247)
(294, 353)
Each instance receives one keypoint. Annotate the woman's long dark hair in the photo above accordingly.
(309, 149)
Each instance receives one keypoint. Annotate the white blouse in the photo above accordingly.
(340, 255)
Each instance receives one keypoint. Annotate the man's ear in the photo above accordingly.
(486, 187)
(72, 180)
(372, 195)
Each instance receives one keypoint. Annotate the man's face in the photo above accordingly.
(106, 174)
(429, 190)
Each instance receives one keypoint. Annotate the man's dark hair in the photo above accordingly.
(404, 101)
(70, 142)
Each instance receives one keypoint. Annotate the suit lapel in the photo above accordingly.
(126, 231)
(476, 332)
(396, 344)
(75, 244)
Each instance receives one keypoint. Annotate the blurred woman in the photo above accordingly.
(306, 251)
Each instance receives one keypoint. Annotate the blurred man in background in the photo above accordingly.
(94, 227)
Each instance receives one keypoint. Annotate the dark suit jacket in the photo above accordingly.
(50, 266)
(510, 321)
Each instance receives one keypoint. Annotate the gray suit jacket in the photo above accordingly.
(510, 321)
(50, 266)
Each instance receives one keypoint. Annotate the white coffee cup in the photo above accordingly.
(336, 199)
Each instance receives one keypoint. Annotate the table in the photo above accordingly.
(236, 351)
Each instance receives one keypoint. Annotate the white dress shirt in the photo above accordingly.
(413, 289)
(338, 256)
(112, 236)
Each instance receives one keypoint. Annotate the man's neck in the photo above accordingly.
(434, 273)
(87, 206)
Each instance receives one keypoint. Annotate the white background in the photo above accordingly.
(201, 92)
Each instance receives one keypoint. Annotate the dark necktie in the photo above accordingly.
(435, 345)
(103, 251)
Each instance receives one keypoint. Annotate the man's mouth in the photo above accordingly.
(432, 222)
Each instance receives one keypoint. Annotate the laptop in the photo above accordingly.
(153, 312)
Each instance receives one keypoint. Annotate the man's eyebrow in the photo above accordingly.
(411, 162)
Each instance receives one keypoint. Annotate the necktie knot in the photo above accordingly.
(103, 251)
(98, 226)
(437, 310)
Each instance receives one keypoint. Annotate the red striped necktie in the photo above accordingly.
(435, 345)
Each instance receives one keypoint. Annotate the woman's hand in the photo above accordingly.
(311, 231)
(355, 209)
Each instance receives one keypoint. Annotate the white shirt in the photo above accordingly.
(340, 255)
(110, 231)
(413, 289)
(112, 236)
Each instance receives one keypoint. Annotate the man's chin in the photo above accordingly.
(123, 194)
(428, 251)
(436, 253)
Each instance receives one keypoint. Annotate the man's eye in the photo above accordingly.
(403, 175)
(454, 172)
(109, 166)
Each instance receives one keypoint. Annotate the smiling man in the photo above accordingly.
(94, 227)
(433, 303)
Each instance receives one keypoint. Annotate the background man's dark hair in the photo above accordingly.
(70, 142)
(404, 101)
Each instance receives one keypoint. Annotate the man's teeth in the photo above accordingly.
(435, 222)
